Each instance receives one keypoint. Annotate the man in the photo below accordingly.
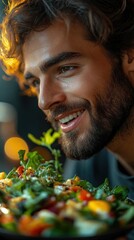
(78, 57)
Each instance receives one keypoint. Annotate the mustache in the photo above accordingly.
(62, 108)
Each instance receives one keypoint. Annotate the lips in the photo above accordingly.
(70, 117)
(70, 121)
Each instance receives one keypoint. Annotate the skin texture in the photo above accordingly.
(74, 75)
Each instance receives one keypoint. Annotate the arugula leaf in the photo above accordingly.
(34, 160)
(21, 157)
(12, 173)
(120, 191)
(127, 216)
(17, 187)
(86, 185)
(32, 203)
(103, 190)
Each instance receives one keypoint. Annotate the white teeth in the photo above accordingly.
(70, 117)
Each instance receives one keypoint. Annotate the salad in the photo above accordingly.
(35, 200)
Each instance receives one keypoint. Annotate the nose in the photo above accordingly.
(50, 94)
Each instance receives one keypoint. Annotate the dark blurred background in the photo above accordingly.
(19, 114)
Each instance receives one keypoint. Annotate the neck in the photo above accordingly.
(123, 147)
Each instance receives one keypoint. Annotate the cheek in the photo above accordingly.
(95, 83)
(86, 85)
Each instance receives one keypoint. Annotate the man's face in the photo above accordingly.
(80, 88)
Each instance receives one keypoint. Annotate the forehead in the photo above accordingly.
(58, 37)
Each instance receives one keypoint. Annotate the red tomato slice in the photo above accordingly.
(20, 170)
(84, 195)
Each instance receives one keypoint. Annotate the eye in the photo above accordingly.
(32, 87)
(67, 70)
(34, 83)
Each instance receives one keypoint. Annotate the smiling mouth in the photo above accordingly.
(70, 117)
(70, 121)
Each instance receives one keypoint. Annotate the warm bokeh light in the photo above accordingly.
(13, 145)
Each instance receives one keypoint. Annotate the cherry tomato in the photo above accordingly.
(84, 195)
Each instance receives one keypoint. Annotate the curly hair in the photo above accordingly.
(109, 23)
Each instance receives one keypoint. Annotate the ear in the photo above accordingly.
(128, 61)
(128, 64)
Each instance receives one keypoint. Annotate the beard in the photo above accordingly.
(107, 117)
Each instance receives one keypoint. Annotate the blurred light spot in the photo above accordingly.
(3, 209)
(43, 152)
(7, 112)
(12, 147)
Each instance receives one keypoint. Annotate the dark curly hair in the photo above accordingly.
(107, 22)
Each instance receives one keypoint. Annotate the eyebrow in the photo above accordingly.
(64, 56)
